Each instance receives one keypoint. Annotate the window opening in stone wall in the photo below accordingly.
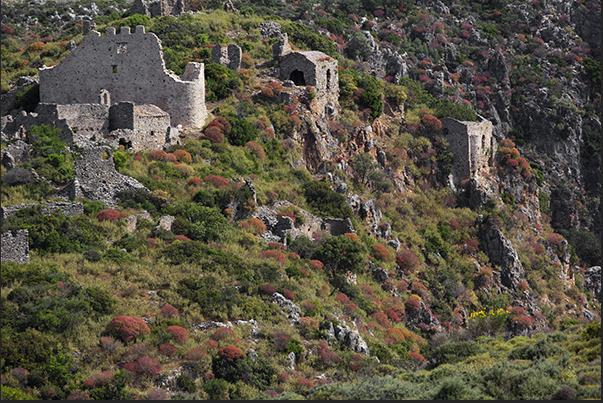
(114, 68)
(122, 48)
(328, 80)
(297, 77)
(483, 143)
(106, 99)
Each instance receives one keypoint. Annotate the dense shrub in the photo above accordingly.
(110, 215)
(179, 333)
(128, 327)
(167, 350)
(407, 260)
(216, 181)
(222, 333)
(195, 354)
(242, 132)
(168, 311)
(412, 306)
(274, 254)
(380, 252)
(324, 201)
(257, 224)
(339, 252)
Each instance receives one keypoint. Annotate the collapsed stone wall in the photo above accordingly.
(68, 209)
(15, 247)
(129, 67)
(9, 99)
(97, 179)
(472, 144)
(228, 56)
(78, 122)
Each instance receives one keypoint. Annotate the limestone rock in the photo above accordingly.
(165, 222)
(502, 253)
(592, 281)
(293, 311)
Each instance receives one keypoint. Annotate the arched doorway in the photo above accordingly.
(297, 77)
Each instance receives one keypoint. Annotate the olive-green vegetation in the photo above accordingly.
(159, 287)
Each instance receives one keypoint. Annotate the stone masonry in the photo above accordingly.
(229, 56)
(15, 246)
(472, 144)
(97, 179)
(141, 127)
(126, 67)
(316, 69)
(68, 209)
(159, 7)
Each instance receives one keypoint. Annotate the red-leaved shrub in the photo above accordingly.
(380, 252)
(128, 327)
(110, 215)
(267, 288)
(214, 134)
(211, 344)
(231, 353)
(257, 150)
(342, 298)
(216, 181)
(288, 294)
(78, 394)
(183, 156)
(274, 254)
(195, 354)
(182, 238)
(169, 312)
(167, 350)
(412, 306)
(407, 260)
(157, 155)
(316, 264)
(222, 333)
(431, 123)
(277, 245)
(194, 181)
(179, 333)
(381, 319)
(257, 225)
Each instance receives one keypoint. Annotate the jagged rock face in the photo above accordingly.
(525, 195)
(15, 154)
(502, 253)
(293, 311)
(270, 29)
(592, 281)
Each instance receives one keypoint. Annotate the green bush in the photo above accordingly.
(339, 253)
(455, 352)
(242, 132)
(198, 223)
(543, 348)
(325, 202)
(221, 81)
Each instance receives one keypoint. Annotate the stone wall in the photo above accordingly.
(158, 7)
(472, 144)
(8, 100)
(129, 67)
(228, 56)
(15, 247)
(140, 127)
(68, 209)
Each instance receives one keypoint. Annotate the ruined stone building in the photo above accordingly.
(125, 66)
(472, 144)
(312, 68)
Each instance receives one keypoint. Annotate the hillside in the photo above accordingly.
(291, 250)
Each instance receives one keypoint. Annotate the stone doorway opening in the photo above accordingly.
(297, 77)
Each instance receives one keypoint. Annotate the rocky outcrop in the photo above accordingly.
(293, 311)
(14, 154)
(501, 253)
(350, 338)
(8, 100)
(592, 281)
(424, 319)
(97, 179)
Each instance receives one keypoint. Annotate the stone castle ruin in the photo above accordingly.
(126, 67)
(472, 144)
